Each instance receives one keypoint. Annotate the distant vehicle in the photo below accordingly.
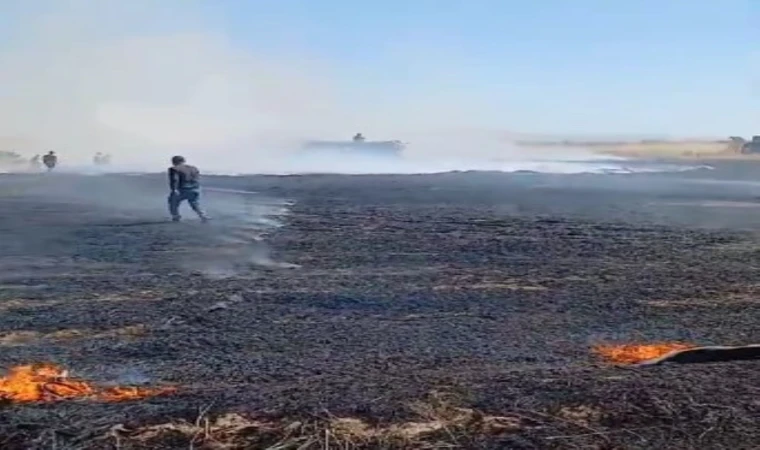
(358, 146)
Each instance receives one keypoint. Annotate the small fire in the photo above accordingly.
(636, 353)
(49, 383)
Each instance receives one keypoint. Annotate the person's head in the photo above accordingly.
(51, 152)
(177, 160)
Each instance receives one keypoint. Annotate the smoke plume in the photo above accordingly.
(146, 78)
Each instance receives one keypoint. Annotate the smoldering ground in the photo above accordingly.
(232, 243)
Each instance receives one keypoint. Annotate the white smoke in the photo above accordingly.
(145, 79)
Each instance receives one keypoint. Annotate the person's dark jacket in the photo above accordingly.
(184, 177)
(50, 160)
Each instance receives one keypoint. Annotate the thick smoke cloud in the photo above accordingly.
(71, 83)
(146, 78)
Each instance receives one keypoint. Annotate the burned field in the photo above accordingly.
(376, 312)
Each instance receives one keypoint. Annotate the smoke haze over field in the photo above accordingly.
(90, 76)
(143, 79)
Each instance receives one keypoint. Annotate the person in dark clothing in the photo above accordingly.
(184, 185)
(50, 160)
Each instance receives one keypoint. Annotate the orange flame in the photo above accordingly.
(636, 353)
(48, 383)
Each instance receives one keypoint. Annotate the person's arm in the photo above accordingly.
(195, 175)
(173, 181)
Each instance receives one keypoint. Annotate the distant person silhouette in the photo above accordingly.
(50, 160)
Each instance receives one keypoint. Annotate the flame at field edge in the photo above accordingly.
(637, 353)
(50, 383)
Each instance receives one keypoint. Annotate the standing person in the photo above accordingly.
(50, 160)
(184, 185)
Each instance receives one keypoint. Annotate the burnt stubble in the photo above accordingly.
(324, 297)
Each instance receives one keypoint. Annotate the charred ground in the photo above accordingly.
(486, 288)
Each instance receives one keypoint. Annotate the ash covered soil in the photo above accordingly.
(329, 296)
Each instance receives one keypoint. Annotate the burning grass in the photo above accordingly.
(637, 353)
(50, 383)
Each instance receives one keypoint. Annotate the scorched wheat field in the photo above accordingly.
(459, 310)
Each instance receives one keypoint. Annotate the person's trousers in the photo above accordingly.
(193, 199)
